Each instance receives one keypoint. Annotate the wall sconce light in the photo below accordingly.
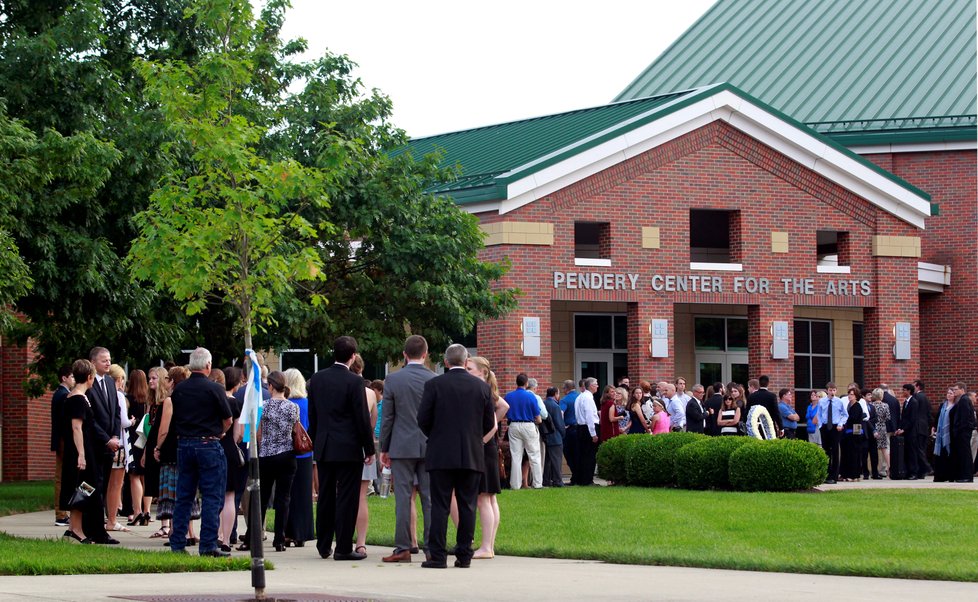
(659, 345)
(531, 337)
(779, 346)
(901, 334)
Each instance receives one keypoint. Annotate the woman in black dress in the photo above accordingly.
(138, 396)
(230, 378)
(80, 464)
(851, 439)
(490, 485)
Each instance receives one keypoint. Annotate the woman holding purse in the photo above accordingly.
(276, 454)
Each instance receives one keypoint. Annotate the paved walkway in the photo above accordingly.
(300, 570)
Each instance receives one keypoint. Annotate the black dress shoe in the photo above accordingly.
(431, 564)
(106, 541)
(462, 565)
(830, 481)
(415, 550)
(912, 477)
(279, 547)
(964, 480)
(217, 553)
(877, 478)
(326, 554)
(349, 556)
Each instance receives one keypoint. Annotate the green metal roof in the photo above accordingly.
(861, 72)
(486, 154)
(491, 157)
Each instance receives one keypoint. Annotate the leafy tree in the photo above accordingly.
(407, 261)
(226, 224)
(66, 68)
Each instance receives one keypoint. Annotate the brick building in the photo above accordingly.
(814, 217)
(790, 189)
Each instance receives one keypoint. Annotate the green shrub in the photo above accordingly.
(652, 461)
(778, 465)
(612, 457)
(703, 464)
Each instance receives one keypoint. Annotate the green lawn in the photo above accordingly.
(20, 556)
(26, 496)
(912, 534)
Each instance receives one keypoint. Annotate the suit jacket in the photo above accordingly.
(57, 409)
(891, 402)
(400, 435)
(962, 418)
(456, 413)
(107, 423)
(556, 437)
(339, 424)
(923, 413)
(763, 397)
(908, 416)
(695, 416)
(715, 402)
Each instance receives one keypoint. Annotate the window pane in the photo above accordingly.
(857, 370)
(857, 340)
(803, 343)
(821, 337)
(821, 370)
(621, 332)
(740, 373)
(710, 372)
(709, 236)
(620, 368)
(736, 335)
(598, 370)
(709, 333)
(587, 240)
(592, 332)
(803, 372)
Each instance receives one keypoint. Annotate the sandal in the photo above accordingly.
(360, 549)
(244, 547)
(117, 527)
(163, 532)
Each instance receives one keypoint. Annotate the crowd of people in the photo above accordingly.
(175, 434)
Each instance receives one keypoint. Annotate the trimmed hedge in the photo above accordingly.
(778, 465)
(703, 464)
(652, 460)
(612, 457)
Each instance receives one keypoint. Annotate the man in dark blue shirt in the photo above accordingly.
(524, 415)
(570, 394)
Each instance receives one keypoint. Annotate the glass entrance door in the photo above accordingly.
(595, 365)
(724, 367)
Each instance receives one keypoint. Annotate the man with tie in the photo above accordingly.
(456, 413)
(105, 405)
(343, 441)
(908, 429)
(832, 415)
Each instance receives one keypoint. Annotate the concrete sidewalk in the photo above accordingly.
(300, 570)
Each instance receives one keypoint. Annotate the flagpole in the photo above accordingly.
(256, 529)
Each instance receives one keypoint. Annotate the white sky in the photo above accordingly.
(450, 66)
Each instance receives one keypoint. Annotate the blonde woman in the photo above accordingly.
(490, 486)
(113, 493)
(369, 474)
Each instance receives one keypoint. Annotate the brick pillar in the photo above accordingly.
(25, 424)
(500, 342)
(759, 340)
(641, 364)
(896, 301)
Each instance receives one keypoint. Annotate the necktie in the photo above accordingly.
(830, 422)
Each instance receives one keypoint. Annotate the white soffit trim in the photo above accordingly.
(483, 207)
(933, 277)
(929, 147)
(754, 121)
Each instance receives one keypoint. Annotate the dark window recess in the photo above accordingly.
(813, 356)
(713, 236)
(858, 353)
(709, 334)
(593, 332)
(621, 333)
(736, 335)
(470, 340)
(303, 361)
(832, 248)
(591, 240)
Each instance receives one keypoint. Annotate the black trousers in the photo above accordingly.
(339, 501)
(277, 470)
(586, 449)
(873, 450)
(465, 484)
(553, 467)
(920, 449)
(830, 443)
(570, 449)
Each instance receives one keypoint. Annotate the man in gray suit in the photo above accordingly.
(403, 445)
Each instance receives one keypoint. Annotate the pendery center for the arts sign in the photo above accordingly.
(690, 283)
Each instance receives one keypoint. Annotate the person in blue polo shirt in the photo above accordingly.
(524, 415)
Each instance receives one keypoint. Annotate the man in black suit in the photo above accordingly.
(455, 414)
(908, 428)
(763, 397)
(962, 424)
(108, 422)
(339, 426)
(891, 402)
(695, 413)
(923, 428)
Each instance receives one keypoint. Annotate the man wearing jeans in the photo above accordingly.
(201, 416)
(524, 416)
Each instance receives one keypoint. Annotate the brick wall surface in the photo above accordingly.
(948, 320)
(714, 167)
(26, 423)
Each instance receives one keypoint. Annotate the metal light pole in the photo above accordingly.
(254, 516)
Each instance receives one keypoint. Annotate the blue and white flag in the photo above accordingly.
(252, 397)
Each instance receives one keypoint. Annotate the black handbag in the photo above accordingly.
(80, 495)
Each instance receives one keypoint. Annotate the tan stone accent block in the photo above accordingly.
(896, 246)
(650, 237)
(779, 242)
(518, 233)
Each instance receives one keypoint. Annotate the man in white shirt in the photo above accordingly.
(676, 408)
(681, 390)
(587, 433)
